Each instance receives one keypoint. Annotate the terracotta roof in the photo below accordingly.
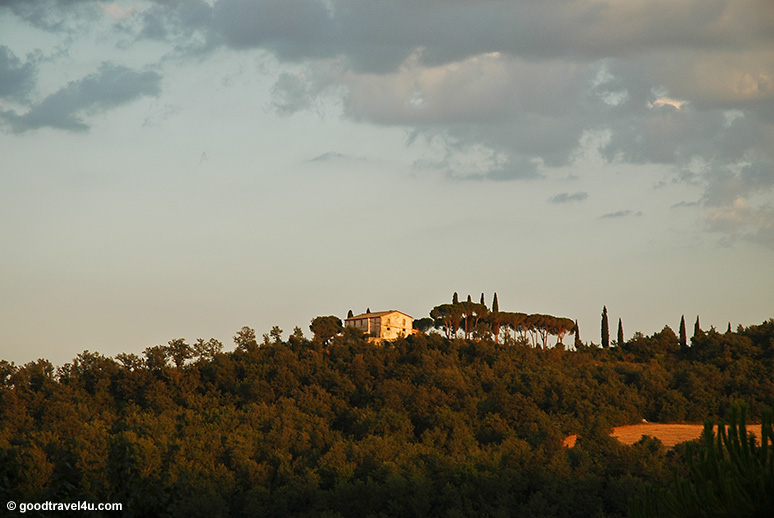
(375, 314)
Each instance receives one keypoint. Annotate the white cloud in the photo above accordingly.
(667, 101)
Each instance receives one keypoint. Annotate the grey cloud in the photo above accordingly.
(292, 93)
(486, 89)
(328, 157)
(536, 110)
(659, 135)
(459, 159)
(523, 79)
(543, 95)
(377, 36)
(684, 204)
(565, 197)
(375, 39)
(54, 15)
(295, 30)
(621, 214)
(733, 147)
(725, 185)
(536, 95)
(646, 133)
(16, 78)
(155, 24)
(109, 87)
(187, 24)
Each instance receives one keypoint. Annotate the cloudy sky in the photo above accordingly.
(183, 168)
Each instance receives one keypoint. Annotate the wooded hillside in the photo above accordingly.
(424, 426)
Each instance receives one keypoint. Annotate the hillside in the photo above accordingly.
(335, 426)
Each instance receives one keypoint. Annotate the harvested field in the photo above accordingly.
(669, 434)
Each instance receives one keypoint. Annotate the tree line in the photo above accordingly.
(336, 426)
(474, 320)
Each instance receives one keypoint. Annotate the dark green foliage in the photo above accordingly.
(605, 329)
(697, 332)
(205, 351)
(245, 339)
(337, 426)
(423, 324)
(325, 328)
(495, 304)
(683, 335)
(576, 330)
(476, 321)
(620, 333)
(179, 351)
(276, 334)
(644, 348)
(731, 474)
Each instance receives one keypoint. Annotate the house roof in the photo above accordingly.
(375, 314)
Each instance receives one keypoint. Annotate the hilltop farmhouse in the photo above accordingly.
(382, 325)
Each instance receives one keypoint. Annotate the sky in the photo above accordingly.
(183, 168)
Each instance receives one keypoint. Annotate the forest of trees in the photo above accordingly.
(334, 426)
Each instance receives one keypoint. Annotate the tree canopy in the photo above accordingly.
(325, 328)
(475, 320)
(337, 426)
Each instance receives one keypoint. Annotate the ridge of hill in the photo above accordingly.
(339, 427)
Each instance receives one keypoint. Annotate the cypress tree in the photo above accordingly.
(577, 335)
(620, 333)
(350, 314)
(469, 299)
(698, 334)
(495, 305)
(368, 310)
(605, 328)
(455, 298)
(683, 335)
(482, 300)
